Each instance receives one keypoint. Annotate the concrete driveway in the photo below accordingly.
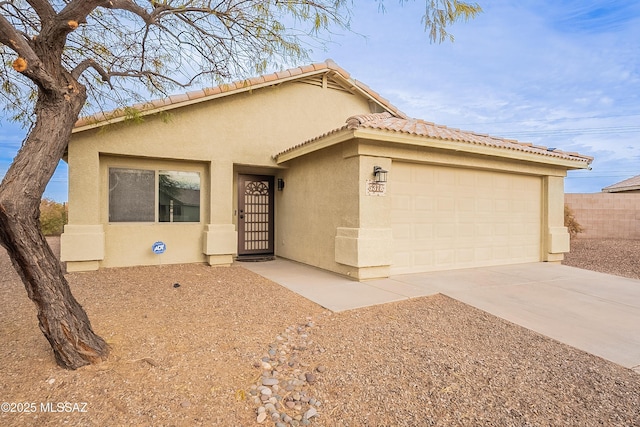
(595, 312)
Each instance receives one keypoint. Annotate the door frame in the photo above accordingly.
(243, 251)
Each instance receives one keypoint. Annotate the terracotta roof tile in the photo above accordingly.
(195, 94)
(100, 116)
(295, 71)
(421, 128)
(319, 66)
(270, 77)
(256, 80)
(160, 102)
(307, 68)
(632, 183)
(212, 91)
(333, 66)
(178, 98)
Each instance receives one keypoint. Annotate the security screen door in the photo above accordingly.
(255, 215)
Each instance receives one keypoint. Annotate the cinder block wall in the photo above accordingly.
(606, 215)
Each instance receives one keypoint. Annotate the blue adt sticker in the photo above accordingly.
(159, 248)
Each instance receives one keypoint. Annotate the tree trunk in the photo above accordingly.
(62, 319)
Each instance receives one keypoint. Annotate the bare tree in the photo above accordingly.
(60, 56)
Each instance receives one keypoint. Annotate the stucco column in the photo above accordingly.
(82, 244)
(369, 246)
(555, 235)
(220, 240)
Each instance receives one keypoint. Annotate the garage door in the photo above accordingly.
(446, 218)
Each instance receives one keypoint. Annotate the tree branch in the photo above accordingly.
(90, 63)
(151, 75)
(32, 67)
(129, 6)
(16, 41)
(159, 10)
(43, 8)
(78, 10)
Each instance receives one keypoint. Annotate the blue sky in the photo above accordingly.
(563, 74)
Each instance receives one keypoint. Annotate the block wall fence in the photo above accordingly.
(606, 215)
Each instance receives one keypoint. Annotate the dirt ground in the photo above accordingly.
(612, 256)
(189, 355)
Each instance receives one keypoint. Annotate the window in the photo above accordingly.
(179, 196)
(132, 195)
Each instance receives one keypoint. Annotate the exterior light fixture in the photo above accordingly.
(280, 184)
(380, 174)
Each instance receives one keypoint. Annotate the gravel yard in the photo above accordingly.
(612, 256)
(214, 350)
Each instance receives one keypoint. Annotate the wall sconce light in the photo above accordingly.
(380, 174)
(280, 184)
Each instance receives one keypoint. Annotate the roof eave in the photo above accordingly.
(472, 148)
(251, 84)
(341, 135)
(369, 93)
(621, 189)
(178, 101)
(345, 134)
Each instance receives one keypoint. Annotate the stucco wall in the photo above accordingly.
(218, 138)
(320, 195)
(129, 244)
(324, 217)
(248, 128)
(606, 215)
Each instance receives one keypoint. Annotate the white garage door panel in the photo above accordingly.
(446, 217)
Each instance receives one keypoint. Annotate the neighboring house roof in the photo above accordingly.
(312, 74)
(385, 124)
(631, 184)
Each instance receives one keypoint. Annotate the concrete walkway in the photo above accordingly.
(595, 312)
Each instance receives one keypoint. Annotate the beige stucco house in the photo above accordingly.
(311, 165)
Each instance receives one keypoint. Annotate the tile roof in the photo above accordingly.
(298, 73)
(630, 184)
(387, 123)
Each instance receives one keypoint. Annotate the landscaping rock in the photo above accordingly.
(284, 387)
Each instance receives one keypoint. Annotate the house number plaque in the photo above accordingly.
(375, 188)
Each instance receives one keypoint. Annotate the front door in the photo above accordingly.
(255, 215)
